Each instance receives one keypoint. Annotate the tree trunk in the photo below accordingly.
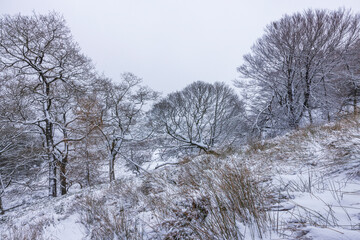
(111, 167)
(308, 91)
(291, 109)
(52, 178)
(49, 139)
(63, 182)
(326, 100)
(307, 102)
(115, 146)
(88, 174)
(355, 101)
(52, 171)
(64, 161)
(1, 207)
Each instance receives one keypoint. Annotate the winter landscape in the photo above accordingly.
(273, 154)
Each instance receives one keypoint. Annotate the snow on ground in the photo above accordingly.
(332, 233)
(319, 183)
(65, 229)
(313, 176)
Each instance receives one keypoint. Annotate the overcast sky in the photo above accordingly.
(169, 43)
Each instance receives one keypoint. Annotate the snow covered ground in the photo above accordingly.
(311, 179)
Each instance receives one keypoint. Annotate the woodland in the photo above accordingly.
(65, 127)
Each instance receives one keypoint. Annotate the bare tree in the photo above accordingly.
(293, 64)
(8, 139)
(121, 114)
(201, 116)
(68, 122)
(40, 50)
(88, 154)
(20, 146)
(348, 79)
(19, 158)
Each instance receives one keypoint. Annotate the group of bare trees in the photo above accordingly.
(57, 113)
(70, 123)
(306, 68)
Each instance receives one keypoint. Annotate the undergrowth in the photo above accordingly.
(104, 223)
(215, 201)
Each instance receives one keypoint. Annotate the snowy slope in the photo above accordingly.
(316, 174)
(309, 181)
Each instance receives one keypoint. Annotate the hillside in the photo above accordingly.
(304, 185)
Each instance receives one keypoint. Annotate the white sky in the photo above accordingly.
(169, 43)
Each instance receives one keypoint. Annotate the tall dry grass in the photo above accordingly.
(216, 200)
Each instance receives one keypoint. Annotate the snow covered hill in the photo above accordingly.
(304, 185)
